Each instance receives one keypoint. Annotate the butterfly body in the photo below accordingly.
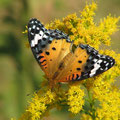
(53, 51)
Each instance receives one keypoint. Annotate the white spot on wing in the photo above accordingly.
(45, 36)
(95, 60)
(92, 74)
(106, 68)
(107, 64)
(105, 61)
(38, 28)
(96, 67)
(29, 29)
(32, 43)
(112, 63)
(101, 69)
(35, 40)
(41, 33)
(37, 37)
(34, 26)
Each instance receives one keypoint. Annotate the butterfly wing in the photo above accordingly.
(48, 46)
(84, 63)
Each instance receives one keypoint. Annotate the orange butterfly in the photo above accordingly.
(53, 51)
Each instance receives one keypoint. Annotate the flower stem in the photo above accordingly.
(91, 101)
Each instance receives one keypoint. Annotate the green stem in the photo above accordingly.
(91, 101)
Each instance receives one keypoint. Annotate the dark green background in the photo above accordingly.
(19, 72)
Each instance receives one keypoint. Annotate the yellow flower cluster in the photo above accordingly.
(26, 30)
(39, 104)
(75, 99)
(107, 27)
(83, 29)
(86, 117)
(87, 15)
(109, 105)
(101, 89)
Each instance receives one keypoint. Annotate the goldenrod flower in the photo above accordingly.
(26, 31)
(39, 104)
(86, 117)
(75, 99)
(87, 15)
(110, 105)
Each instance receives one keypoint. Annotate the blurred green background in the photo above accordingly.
(19, 72)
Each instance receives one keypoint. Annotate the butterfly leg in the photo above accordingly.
(52, 85)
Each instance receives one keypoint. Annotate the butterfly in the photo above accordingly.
(54, 52)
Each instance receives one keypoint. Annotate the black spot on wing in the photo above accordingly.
(47, 53)
(78, 69)
(49, 42)
(53, 48)
(44, 39)
(79, 61)
(39, 57)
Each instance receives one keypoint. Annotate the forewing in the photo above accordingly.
(48, 46)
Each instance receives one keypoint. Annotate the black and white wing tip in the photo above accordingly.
(96, 63)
